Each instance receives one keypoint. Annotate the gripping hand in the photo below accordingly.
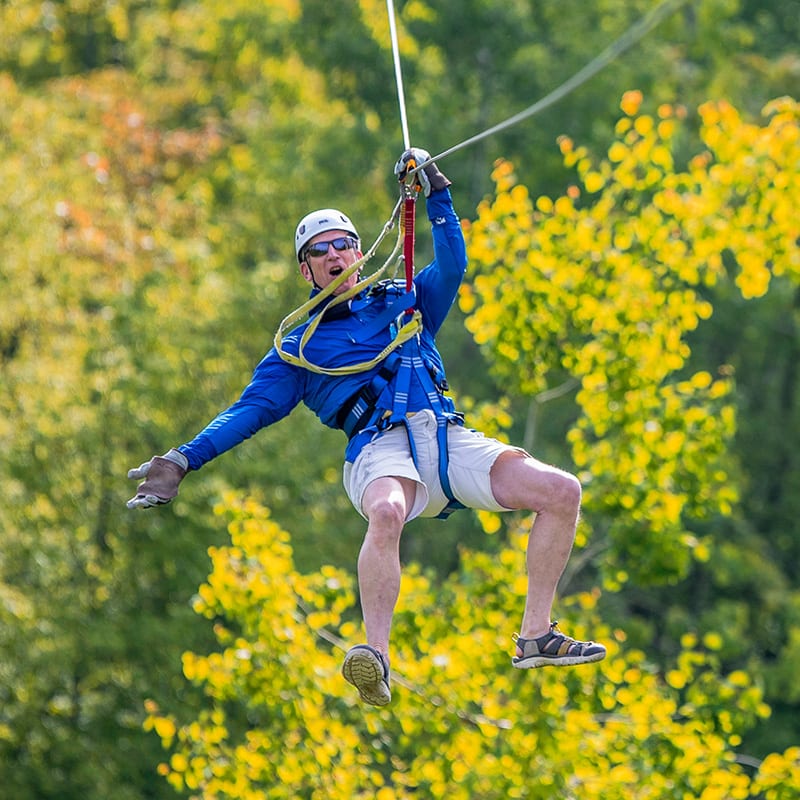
(162, 475)
(428, 178)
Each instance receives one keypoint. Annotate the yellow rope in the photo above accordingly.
(406, 332)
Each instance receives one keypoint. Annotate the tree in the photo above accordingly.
(588, 278)
(92, 614)
(279, 722)
(606, 289)
(145, 260)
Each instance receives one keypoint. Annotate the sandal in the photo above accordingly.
(555, 648)
(368, 670)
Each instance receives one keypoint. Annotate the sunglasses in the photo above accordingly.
(321, 248)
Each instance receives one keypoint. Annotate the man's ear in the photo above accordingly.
(305, 271)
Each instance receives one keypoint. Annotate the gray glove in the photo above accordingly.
(428, 178)
(162, 476)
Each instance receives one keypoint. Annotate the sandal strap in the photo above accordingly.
(555, 643)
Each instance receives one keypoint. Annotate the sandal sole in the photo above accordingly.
(532, 662)
(365, 671)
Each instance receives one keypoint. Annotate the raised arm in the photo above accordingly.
(437, 284)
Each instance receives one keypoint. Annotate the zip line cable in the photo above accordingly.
(408, 218)
(398, 74)
(628, 39)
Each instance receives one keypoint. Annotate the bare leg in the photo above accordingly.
(525, 483)
(385, 505)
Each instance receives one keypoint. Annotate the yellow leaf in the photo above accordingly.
(631, 101)
(164, 727)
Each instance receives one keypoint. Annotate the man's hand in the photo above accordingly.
(162, 476)
(428, 178)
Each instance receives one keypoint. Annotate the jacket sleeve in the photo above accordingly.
(274, 390)
(437, 284)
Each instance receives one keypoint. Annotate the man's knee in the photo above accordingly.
(566, 491)
(553, 491)
(386, 513)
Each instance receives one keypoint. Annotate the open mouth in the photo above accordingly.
(336, 271)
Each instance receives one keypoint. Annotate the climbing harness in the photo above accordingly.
(382, 403)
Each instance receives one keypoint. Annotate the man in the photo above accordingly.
(409, 453)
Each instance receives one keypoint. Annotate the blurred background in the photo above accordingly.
(154, 160)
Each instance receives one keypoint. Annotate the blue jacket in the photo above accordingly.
(277, 386)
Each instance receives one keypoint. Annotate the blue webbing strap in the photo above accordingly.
(444, 462)
(414, 364)
(361, 412)
(386, 318)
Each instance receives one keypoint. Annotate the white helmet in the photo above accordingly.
(326, 219)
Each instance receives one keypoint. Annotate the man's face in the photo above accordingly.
(322, 264)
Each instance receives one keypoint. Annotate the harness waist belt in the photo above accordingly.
(359, 409)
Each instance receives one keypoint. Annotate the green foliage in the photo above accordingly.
(154, 159)
(462, 720)
(609, 290)
(92, 615)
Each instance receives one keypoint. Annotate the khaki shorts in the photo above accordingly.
(471, 456)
